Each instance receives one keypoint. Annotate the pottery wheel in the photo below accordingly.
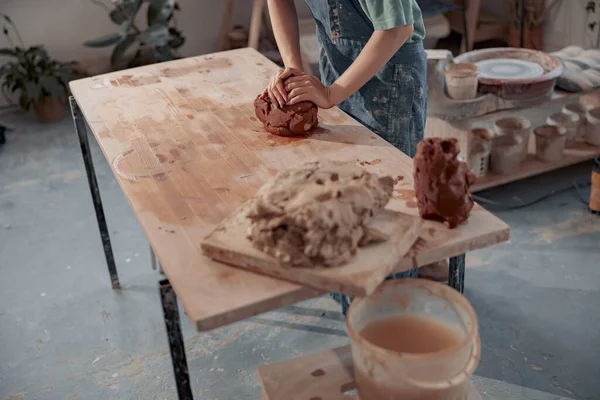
(509, 69)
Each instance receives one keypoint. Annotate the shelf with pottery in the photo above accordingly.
(534, 162)
(456, 119)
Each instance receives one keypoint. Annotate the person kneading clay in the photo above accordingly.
(372, 65)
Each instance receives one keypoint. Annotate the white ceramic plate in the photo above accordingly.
(508, 69)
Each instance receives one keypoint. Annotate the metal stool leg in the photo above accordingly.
(80, 128)
(176, 345)
(456, 273)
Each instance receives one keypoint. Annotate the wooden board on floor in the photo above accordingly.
(327, 375)
(228, 243)
(182, 139)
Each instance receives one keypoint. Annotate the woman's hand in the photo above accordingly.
(276, 90)
(308, 88)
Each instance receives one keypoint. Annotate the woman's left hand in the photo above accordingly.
(308, 88)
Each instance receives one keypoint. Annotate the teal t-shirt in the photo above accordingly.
(388, 14)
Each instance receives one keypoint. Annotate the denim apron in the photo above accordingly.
(393, 103)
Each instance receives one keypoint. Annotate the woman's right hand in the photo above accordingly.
(276, 89)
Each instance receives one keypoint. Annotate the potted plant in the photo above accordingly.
(536, 12)
(134, 46)
(42, 83)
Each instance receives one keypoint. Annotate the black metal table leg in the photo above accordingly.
(456, 275)
(80, 128)
(168, 299)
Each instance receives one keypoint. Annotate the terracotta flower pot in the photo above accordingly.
(532, 38)
(49, 110)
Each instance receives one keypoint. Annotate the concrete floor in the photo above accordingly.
(64, 334)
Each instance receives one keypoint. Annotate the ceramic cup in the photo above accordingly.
(506, 155)
(550, 142)
(568, 121)
(592, 135)
(581, 111)
(461, 81)
(515, 126)
(481, 147)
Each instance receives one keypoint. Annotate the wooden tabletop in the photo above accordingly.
(187, 150)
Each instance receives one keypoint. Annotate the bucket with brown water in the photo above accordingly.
(413, 339)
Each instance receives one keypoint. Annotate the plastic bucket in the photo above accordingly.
(570, 122)
(550, 142)
(385, 374)
(461, 81)
(515, 126)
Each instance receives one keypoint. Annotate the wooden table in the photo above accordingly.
(183, 142)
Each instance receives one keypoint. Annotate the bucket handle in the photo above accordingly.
(455, 380)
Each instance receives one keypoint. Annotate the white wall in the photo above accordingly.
(63, 25)
(567, 26)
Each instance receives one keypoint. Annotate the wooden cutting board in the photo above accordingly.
(229, 244)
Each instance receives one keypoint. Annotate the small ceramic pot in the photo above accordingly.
(481, 147)
(461, 81)
(550, 142)
(515, 126)
(592, 135)
(570, 122)
(581, 111)
(506, 156)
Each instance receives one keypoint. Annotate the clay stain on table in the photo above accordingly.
(204, 66)
(134, 81)
(277, 141)
(398, 179)
(406, 195)
(372, 162)
(319, 129)
(152, 160)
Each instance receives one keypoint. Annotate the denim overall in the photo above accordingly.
(393, 103)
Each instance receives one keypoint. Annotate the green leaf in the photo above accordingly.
(52, 86)
(176, 42)
(162, 53)
(117, 59)
(7, 52)
(104, 41)
(117, 16)
(157, 35)
(33, 91)
(131, 10)
(160, 11)
(24, 101)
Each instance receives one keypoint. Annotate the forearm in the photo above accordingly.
(377, 52)
(285, 27)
